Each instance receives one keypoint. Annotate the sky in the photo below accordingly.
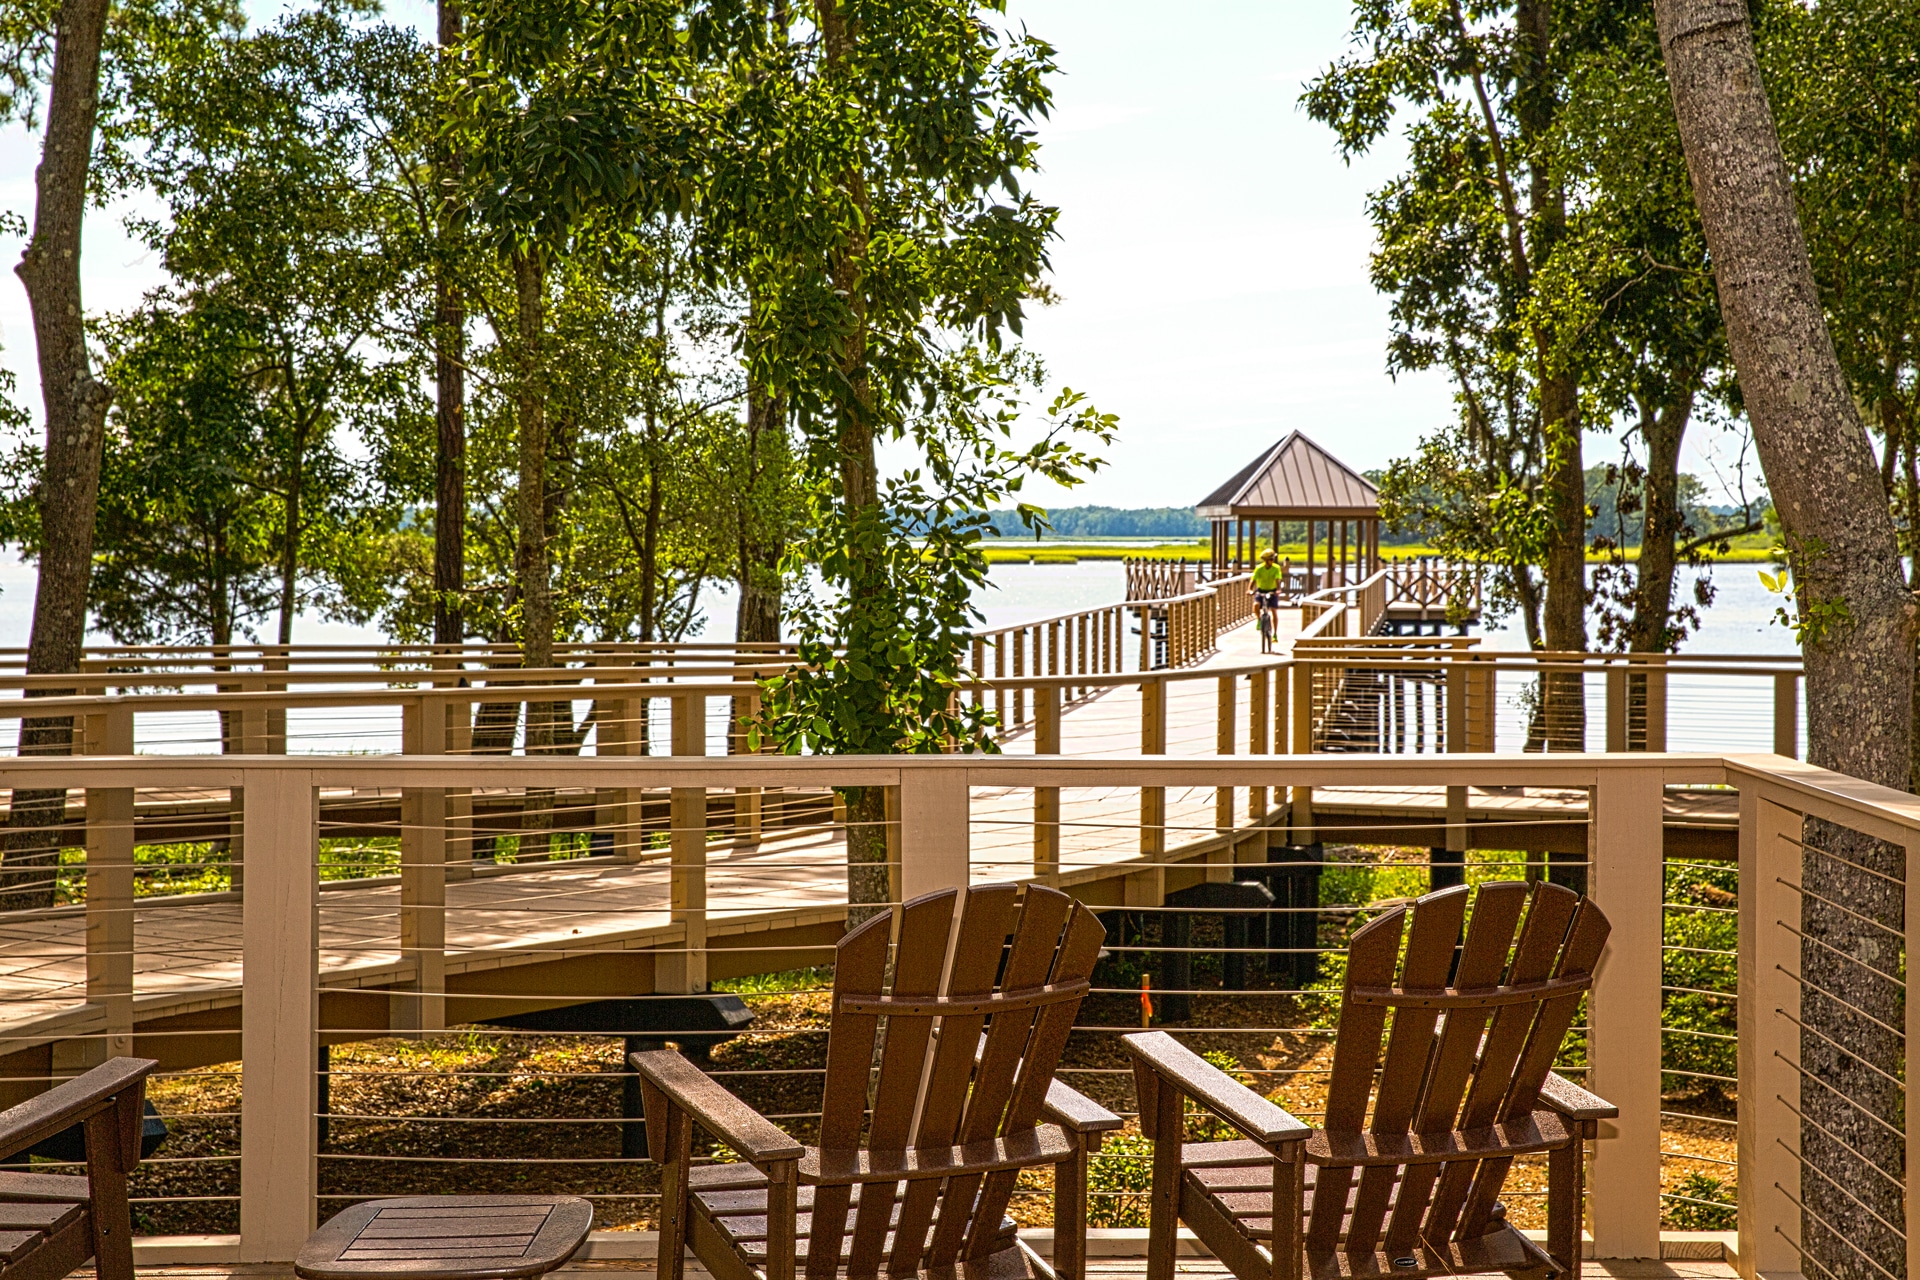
(1212, 259)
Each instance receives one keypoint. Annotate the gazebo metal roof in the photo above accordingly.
(1294, 480)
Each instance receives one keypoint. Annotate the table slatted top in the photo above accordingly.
(448, 1238)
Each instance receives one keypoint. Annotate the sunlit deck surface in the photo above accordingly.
(187, 952)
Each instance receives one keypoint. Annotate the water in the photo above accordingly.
(1740, 619)
(1704, 712)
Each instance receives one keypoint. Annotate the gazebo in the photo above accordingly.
(1297, 480)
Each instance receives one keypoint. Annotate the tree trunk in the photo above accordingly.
(1663, 428)
(530, 509)
(450, 393)
(290, 534)
(1858, 633)
(76, 410)
(536, 588)
(868, 628)
(757, 618)
(1563, 700)
(1564, 618)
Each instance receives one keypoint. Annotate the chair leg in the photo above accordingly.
(1163, 1234)
(1070, 1211)
(674, 1160)
(1566, 1174)
(783, 1180)
(1289, 1208)
(109, 1213)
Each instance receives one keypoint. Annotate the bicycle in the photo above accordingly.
(1266, 606)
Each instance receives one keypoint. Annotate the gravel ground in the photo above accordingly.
(537, 1113)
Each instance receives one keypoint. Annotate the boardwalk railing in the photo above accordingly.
(379, 1012)
(1155, 578)
(1339, 692)
(1434, 694)
(1140, 634)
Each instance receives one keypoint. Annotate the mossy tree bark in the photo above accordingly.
(76, 410)
(1857, 626)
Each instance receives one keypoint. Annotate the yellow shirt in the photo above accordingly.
(1266, 577)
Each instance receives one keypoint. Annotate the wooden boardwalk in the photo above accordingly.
(538, 935)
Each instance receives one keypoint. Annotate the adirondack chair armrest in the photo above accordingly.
(1157, 1057)
(756, 1138)
(1573, 1102)
(1076, 1112)
(68, 1103)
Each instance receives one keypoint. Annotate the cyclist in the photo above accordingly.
(1266, 597)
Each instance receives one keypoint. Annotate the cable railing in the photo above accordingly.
(414, 1016)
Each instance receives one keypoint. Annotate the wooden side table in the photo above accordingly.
(448, 1238)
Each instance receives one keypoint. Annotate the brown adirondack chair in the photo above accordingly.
(1464, 1086)
(926, 1171)
(52, 1223)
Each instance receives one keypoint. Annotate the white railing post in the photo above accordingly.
(421, 1004)
(935, 839)
(279, 1016)
(1623, 1039)
(1259, 735)
(1912, 1029)
(109, 894)
(1226, 721)
(1769, 1046)
(1046, 800)
(1153, 742)
(685, 969)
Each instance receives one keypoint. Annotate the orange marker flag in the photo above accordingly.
(1146, 1001)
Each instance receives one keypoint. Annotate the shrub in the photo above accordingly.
(1120, 1182)
(1708, 1204)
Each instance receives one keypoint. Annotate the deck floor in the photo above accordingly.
(1097, 1269)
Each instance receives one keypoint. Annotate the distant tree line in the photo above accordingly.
(1615, 502)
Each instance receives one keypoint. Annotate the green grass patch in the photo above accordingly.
(1753, 549)
(817, 978)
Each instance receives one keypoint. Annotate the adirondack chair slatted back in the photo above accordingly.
(1475, 1029)
(930, 1092)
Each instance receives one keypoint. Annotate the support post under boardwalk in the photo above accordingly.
(1625, 880)
(1786, 714)
(684, 968)
(279, 1016)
